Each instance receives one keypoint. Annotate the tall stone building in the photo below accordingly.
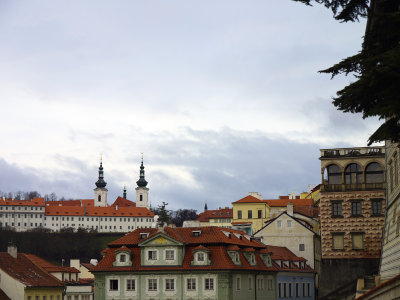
(352, 207)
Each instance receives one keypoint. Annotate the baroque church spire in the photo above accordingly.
(100, 183)
(142, 181)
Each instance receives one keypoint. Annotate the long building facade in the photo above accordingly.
(199, 263)
(89, 214)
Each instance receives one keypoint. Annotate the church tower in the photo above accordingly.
(142, 192)
(100, 192)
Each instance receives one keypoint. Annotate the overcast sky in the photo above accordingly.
(222, 97)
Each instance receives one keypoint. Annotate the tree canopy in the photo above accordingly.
(376, 90)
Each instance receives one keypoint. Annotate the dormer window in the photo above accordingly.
(144, 235)
(122, 258)
(196, 232)
(253, 259)
(200, 256)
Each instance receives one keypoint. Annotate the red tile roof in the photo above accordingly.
(48, 266)
(249, 199)
(223, 213)
(215, 239)
(284, 202)
(98, 211)
(33, 202)
(122, 202)
(25, 271)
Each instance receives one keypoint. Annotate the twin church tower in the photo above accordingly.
(142, 192)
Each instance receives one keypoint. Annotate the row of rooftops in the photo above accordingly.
(218, 242)
(82, 207)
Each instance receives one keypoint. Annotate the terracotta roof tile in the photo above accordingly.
(33, 202)
(212, 238)
(223, 213)
(249, 199)
(98, 211)
(122, 202)
(284, 202)
(48, 266)
(25, 271)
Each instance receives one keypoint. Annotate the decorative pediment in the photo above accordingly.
(160, 239)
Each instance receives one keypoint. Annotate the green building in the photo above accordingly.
(189, 263)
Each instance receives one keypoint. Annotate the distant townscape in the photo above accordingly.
(292, 247)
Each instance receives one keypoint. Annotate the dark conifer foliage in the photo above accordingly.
(376, 68)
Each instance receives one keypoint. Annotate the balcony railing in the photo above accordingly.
(351, 152)
(353, 187)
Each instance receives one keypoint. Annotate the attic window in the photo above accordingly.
(144, 235)
(196, 232)
(228, 213)
(214, 213)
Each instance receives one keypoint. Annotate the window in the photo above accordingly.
(334, 175)
(357, 239)
(290, 290)
(260, 284)
(308, 289)
(302, 247)
(259, 214)
(239, 214)
(200, 256)
(279, 223)
(304, 289)
(249, 214)
(337, 241)
(269, 284)
(374, 173)
(122, 258)
(289, 223)
(44, 298)
(152, 284)
(191, 284)
(284, 290)
(209, 284)
(376, 205)
(297, 290)
(130, 284)
(169, 254)
(169, 284)
(152, 255)
(250, 283)
(355, 208)
(353, 174)
(280, 290)
(337, 209)
(113, 284)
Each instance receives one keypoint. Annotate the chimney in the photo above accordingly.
(256, 195)
(289, 209)
(12, 250)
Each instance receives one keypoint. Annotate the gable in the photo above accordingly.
(160, 239)
(272, 227)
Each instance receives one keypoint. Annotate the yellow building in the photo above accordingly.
(250, 213)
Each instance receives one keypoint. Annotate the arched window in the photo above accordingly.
(334, 174)
(374, 173)
(353, 174)
(99, 198)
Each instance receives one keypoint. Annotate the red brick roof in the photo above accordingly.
(223, 213)
(25, 271)
(33, 202)
(215, 239)
(309, 211)
(122, 202)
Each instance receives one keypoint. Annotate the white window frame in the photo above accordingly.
(169, 284)
(210, 282)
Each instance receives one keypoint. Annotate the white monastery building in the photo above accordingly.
(90, 214)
